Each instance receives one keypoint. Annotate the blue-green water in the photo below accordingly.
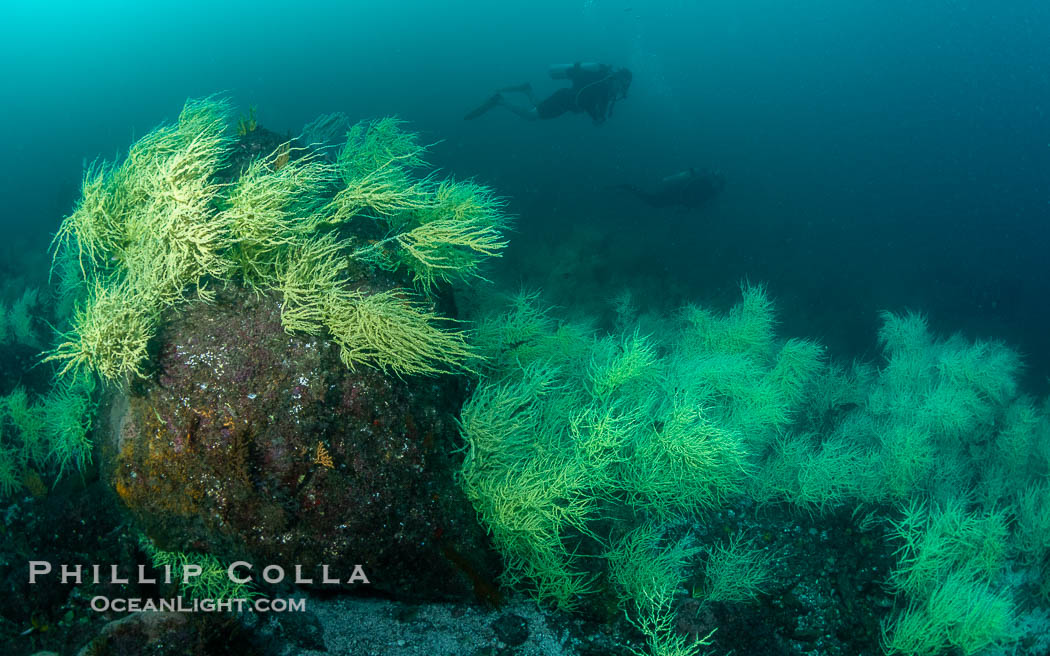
(878, 155)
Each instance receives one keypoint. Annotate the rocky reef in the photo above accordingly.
(255, 444)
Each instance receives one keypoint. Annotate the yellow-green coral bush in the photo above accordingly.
(640, 436)
(110, 334)
(736, 570)
(581, 445)
(961, 612)
(196, 575)
(273, 208)
(36, 440)
(649, 570)
(933, 541)
(172, 222)
(70, 407)
(963, 452)
(441, 231)
(10, 469)
(16, 322)
(938, 397)
(49, 434)
(159, 229)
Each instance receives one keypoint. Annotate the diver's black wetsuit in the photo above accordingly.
(595, 89)
(689, 189)
(593, 92)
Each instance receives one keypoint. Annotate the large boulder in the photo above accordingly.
(251, 443)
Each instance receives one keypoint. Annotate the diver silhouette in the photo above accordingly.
(595, 89)
(687, 189)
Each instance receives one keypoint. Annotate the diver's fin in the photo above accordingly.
(493, 100)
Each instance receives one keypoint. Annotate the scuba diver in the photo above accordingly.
(595, 89)
(688, 189)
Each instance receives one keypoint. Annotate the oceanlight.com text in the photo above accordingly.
(183, 605)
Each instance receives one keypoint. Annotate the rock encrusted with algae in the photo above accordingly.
(259, 445)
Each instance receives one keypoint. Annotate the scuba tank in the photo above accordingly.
(561, 71)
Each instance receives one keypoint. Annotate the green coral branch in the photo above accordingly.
(213, 580)
(379, 145)
(395, 333)
(110, 335)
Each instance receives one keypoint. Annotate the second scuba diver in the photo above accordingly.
(595, 89)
